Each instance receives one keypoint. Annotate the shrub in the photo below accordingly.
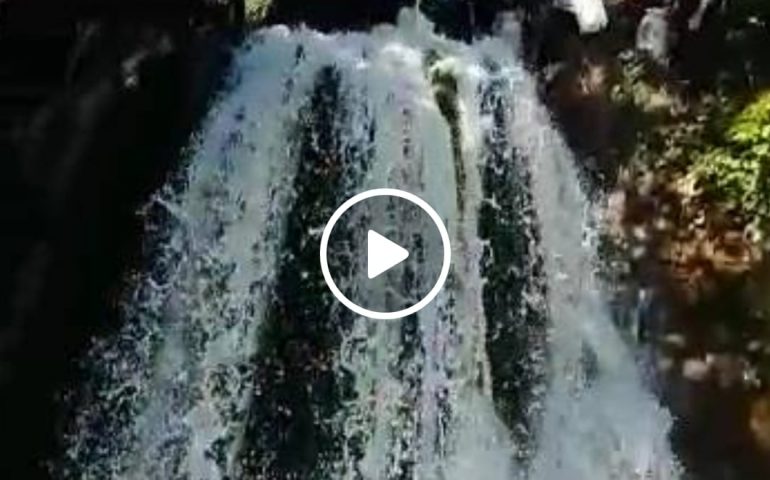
(737, 168)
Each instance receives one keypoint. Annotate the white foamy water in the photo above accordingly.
(174, 386)
(591, 15)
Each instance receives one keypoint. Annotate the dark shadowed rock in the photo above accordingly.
(94, 106)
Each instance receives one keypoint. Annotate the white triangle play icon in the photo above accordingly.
(382, 254)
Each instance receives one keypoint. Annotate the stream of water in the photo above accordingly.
(236, 362)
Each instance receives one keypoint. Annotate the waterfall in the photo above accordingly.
(236, 362)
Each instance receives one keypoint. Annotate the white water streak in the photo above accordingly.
(600, 424)
(189, 339)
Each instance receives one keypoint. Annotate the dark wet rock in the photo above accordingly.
(93, 111)
(515, 283)
(335, 14)
(297, 392)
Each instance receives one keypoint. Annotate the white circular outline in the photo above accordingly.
(382, 192)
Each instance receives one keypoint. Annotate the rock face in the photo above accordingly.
(94, 106)
(653, 35)
(335, 14)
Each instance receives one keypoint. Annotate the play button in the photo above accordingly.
(385, 254)
(382, 254)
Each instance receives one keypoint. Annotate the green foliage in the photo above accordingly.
(715, 138)
(737, 168)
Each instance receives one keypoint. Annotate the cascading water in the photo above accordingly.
(235, 360)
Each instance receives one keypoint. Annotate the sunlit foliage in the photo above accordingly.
(737, 169)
